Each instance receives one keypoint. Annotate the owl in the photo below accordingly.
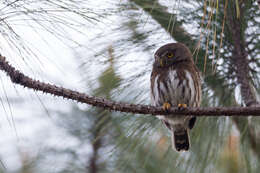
(175, 82)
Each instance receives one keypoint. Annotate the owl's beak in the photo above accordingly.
(160, 62)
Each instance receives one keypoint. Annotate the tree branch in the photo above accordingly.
(19, 78)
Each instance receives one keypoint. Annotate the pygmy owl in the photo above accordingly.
(175, 81)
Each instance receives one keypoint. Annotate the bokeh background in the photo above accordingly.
(105, 48)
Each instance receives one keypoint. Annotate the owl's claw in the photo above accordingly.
(166, 106)
(182, 106)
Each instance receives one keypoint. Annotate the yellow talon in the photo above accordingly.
(166, 106)
(182, 105)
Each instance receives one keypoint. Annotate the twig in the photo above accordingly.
(19, 78)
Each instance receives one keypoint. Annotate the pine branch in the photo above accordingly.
(21, 79)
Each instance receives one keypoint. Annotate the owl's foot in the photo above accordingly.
(182, 106)
(166, 106)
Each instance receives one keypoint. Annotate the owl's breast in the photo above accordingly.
(175, 87)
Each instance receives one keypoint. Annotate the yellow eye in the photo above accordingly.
(169, 55)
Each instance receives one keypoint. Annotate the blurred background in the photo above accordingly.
(105, 48)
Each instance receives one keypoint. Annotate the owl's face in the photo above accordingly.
(171, 54)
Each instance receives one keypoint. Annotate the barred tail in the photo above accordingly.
(180, 139)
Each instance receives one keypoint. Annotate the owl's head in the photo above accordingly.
(172, 53)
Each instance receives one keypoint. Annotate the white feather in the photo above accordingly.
(192, 87)
(155, 91)
(173, 83)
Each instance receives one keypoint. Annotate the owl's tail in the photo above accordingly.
(180, 139)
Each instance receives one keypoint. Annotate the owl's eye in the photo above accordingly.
(169, 55)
